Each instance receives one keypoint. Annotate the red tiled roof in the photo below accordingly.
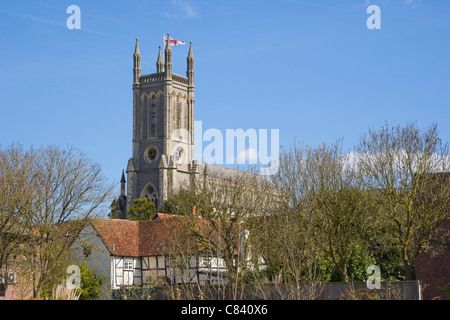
(160, 215)
(163, 235)
(142, 238)
(121, 237)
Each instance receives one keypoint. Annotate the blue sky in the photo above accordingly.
(311, 69)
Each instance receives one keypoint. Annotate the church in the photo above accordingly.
(162, 161)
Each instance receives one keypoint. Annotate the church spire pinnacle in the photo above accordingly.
(159, 62)
(168, 58)
(190, 54)
(168, 47)
(122, 184)
(190, 66)
(137, 63)
(136, 48)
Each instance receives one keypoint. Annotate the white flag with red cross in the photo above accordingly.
(173, 41)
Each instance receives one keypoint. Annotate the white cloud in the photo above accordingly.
(249, 155)
(402, 161)
(412, 3)
(179, 9)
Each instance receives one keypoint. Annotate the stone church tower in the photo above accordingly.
(163, 130)
(163, 135)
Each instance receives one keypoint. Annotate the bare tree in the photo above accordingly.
(222, 216)
(408, 166)
(343, 207)
(323, 210)
(288, 240)
(14, 197)
(59, 190)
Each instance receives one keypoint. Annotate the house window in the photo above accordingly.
(128, 264)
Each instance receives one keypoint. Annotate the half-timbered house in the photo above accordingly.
(144, 253)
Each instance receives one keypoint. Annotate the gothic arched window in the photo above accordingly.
(153, 117)
(160, 114)
(178, 119)
(151, 194)
(144, 118)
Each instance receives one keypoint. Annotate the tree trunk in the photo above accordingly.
(343, 271)
(409, 272)
(408, 266)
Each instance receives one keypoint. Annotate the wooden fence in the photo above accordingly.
(399, 290)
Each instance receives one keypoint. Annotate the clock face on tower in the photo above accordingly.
(151, 154)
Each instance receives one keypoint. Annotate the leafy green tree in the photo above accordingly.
(90, 283)
(142, 210)
(177, 203)
(112, 214)
(358, 263)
